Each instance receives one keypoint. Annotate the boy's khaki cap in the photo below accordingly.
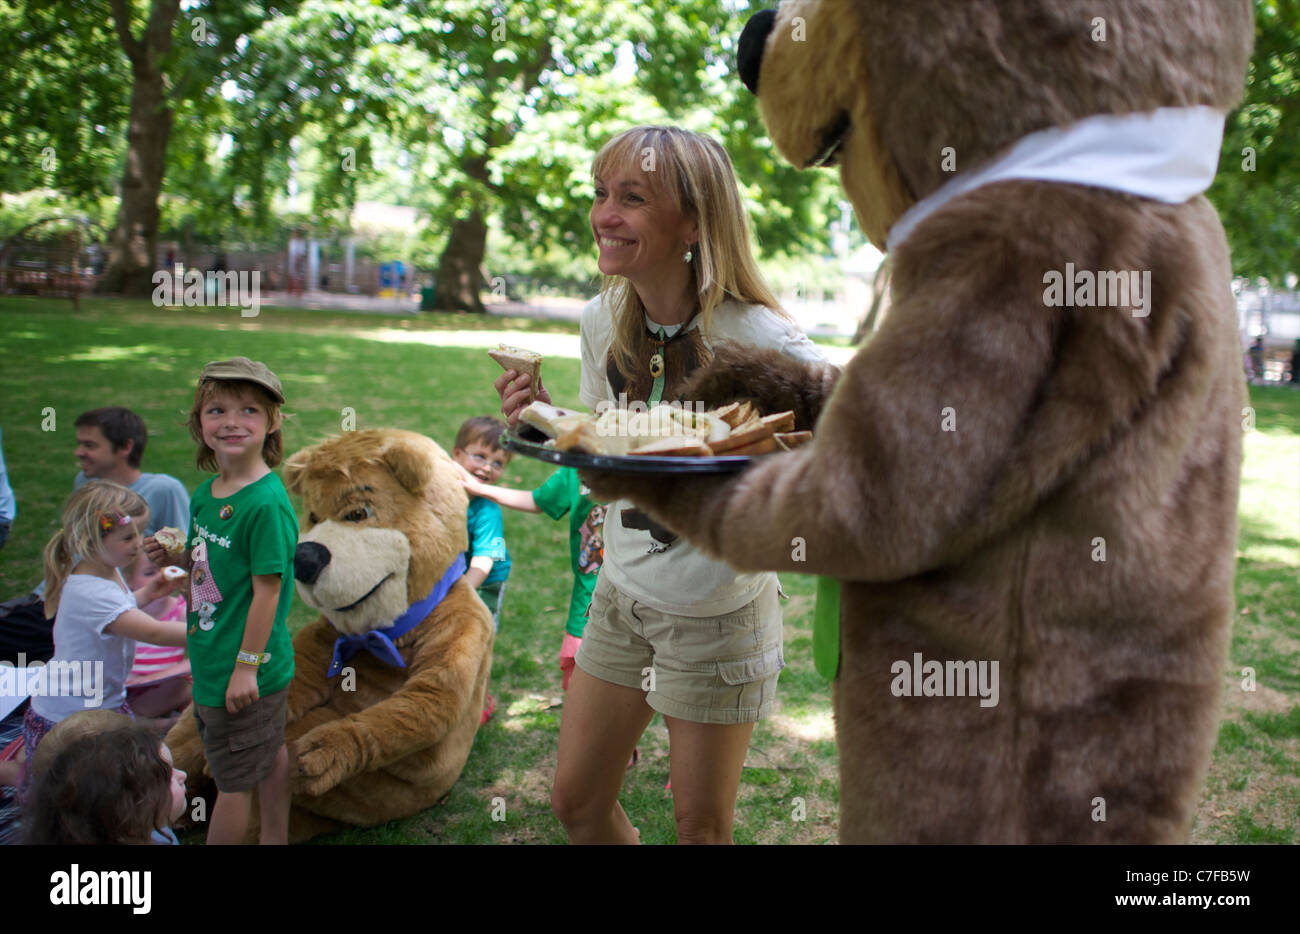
(252, 371)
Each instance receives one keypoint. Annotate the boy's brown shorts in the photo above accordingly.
(242, 746)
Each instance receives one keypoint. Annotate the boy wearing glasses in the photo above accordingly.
(478, 450)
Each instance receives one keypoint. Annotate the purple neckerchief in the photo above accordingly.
(379, 642)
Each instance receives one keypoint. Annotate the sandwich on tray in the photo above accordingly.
(666, 430)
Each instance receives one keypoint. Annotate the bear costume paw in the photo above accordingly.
(769, 379)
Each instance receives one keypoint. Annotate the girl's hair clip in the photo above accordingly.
(106, 522)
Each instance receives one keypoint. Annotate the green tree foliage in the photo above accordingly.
(64, 95)
(1257, 191)
(484, 116)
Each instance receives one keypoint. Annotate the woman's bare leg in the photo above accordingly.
(706, 760)
(599, 729)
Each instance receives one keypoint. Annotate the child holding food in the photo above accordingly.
(97, 619)
(158, 687)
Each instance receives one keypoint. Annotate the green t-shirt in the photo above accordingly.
(252, 532)
(563, 493)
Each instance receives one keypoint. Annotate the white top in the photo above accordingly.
(1170, 154)
(90, 666)
(675, 577)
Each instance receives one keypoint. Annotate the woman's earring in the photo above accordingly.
(686, 257)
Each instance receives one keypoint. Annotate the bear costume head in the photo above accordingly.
(389, 682)
(885, 89)
(385, 517)
(1028, 476)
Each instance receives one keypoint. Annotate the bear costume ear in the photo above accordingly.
(295, 469)
(412, 467)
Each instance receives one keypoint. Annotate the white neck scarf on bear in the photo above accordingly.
(1169, 155)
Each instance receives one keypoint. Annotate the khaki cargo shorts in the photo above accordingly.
(241, 747)
(718, 669)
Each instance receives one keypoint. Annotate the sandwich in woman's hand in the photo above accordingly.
(521, 361)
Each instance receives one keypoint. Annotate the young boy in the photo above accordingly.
(243, 535)
(562, 493)
(478, 451)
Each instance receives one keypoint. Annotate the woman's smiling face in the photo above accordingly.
(640, 233)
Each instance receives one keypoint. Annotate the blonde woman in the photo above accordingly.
(670, 630)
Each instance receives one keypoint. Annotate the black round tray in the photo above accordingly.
(528, 441)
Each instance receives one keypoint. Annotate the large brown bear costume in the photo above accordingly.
(1051, 488)
(383, 521)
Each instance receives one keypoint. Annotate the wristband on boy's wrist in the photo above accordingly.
(250, 658)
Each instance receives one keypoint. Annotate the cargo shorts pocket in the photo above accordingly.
(254, 734)
(753, 668)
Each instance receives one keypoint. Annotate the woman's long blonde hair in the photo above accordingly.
(696, 173)
(84, 517)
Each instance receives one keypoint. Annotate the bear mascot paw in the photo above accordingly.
(389, 682)
(1023, 487)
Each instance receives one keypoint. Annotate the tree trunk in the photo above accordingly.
(133, 244)
(459, 271)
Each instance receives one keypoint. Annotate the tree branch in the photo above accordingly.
(132, 46)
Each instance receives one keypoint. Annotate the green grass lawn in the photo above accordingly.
(428, 374)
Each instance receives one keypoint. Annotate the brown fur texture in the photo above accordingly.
(396, 743)
(1071, 428)
(765, 377)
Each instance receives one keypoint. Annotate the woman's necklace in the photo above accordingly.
(659, 341)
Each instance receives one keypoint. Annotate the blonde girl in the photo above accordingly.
(97, 619)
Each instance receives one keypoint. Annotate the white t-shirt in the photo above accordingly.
(674, 577)
(90, 666)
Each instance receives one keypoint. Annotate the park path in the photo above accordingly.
(553, 309)
(561, 309)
